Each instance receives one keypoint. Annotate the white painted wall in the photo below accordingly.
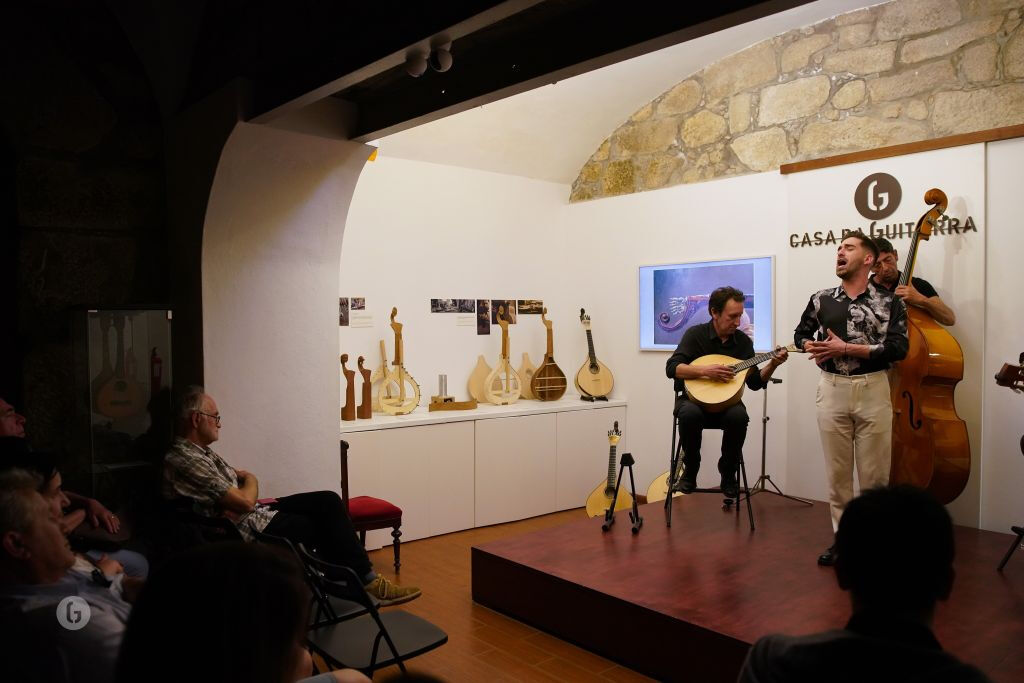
(1002, 470)
(418, 230)
(271, 245)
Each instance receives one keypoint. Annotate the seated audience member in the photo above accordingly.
(36, 578)
(14, 452)
(82, 508)
(318, 519)
(238, 612)
(894, 554)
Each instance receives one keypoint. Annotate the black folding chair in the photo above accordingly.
(356, 642)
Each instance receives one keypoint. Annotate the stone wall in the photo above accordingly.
(897, 72)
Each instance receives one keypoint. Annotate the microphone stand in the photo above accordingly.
(760, 486)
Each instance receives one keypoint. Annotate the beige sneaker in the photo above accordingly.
(389, 593)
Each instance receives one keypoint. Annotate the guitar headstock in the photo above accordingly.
(938, 201)
(614, 434)
(544, 318)
(584, 319)
(359, 363)
(344, 359)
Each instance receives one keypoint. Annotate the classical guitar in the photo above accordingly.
(714, 395)
(120, 396)
(548, 383)
(526, 370)
(593, 379)
(930, 446)
(503, 385)
(477, 378)
(599, 500)
(399, 394)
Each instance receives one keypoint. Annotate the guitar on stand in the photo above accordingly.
(548, 383)
(604, 495)
(398, 378)
(503, 385)
(594, 380)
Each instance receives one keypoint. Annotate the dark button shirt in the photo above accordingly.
(920, 284)
(876, 318)
(701, 340)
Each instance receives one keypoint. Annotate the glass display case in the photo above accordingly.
(123, 399)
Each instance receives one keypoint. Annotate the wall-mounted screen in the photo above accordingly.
(674, 298)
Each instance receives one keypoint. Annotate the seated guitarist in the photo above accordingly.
(918, 293)
(720, 335)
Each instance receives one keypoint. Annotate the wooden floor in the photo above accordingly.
(482, 644)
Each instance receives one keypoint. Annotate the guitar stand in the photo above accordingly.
(634, 514)
(760, 486)
(595, 398)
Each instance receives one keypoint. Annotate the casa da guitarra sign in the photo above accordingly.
(877, 198)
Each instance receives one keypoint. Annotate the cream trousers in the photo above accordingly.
(855, 423)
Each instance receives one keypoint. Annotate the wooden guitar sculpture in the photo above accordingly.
(526, 370)
(714, 395)
(503, 385)
(348, 411)
(477, 378)
(120, 396)
(365, 409)
(930, 447)
(593, 380)
(398, 379)
(548, 383)
(599, 500)
(377, 378)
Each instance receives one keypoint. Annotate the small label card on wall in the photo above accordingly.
(360, 319)
(465, 321)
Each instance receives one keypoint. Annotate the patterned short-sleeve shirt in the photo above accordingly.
(198, 473)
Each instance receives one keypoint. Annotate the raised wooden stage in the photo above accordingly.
(685, 603)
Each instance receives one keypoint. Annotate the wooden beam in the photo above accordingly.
(990, 135)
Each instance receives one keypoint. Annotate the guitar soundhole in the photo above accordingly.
(914, 424)
(594, 369)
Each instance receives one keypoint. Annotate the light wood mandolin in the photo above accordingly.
(477, 379)
(526, 371)
(400, 394)
(714, 395)
(599, 500)
(548, 383)
(593, 379)
(503, 386)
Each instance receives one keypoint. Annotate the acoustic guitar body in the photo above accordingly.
(477, 379)
(930, 447)
(548, 382)
(526, 371)
(594, 379)
(601, 497)
(658, 490)
(711, 394)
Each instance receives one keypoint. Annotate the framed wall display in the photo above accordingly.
(674, 298)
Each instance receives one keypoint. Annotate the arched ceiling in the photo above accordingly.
(549, 132)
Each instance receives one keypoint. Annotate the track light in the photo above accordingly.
(440, 59)
(416, 65)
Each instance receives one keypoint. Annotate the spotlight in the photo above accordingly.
(440, 59)
(416, 64)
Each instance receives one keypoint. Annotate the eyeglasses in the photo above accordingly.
(215, 418)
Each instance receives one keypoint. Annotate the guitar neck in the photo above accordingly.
(611, 466)
(590, 348)
(760, 358)
(551, 344)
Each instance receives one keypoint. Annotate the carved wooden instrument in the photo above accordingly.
(593, 378)
(107, 369)
(379, 373)
(365, 409)
(503, 385)
(348, 411)
(399, 394)
(930, 446)
(548, 383)
(526, 370)
(477, 379)
(599, 500)
(120, 396)
(1012, 376)
(714, 395)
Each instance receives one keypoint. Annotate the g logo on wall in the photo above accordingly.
(878, 196)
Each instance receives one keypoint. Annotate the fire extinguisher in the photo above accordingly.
(156, 366)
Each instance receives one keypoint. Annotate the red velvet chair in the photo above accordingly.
(368, 513)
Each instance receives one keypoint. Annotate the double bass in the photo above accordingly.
(930, 448)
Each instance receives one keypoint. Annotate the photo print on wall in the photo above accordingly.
(510, 310)
(443, 305)
(530, 307)
(465, 305)
(483, 316)
(343, 311)
(358, 303)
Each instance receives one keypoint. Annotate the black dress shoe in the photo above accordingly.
(730, 489)
(828, 558)
(688, 484)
